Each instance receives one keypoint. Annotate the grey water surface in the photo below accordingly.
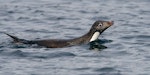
(127, 52)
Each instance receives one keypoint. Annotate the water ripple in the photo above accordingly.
(21, 54)
(125, 44)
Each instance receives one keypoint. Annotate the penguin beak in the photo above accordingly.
(110, 23)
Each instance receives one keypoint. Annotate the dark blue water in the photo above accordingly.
(127, 52)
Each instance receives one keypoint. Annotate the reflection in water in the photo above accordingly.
(98, 44)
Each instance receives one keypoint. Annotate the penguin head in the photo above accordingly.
(100, 26)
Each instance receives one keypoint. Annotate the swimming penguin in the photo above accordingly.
(97, 28)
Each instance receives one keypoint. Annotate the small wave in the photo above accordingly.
(136, 36)
(105, 69)
(108, 71)
(16, 53)
(19, 53)
(59, 54)
(41, 31)
(84, 68)
(143, 36)
(51, 55)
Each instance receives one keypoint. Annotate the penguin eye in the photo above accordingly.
(100, 24)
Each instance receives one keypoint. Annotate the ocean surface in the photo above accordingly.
(127, 41)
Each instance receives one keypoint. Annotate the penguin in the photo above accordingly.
(97, 28)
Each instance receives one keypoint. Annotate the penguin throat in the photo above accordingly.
(95, 36)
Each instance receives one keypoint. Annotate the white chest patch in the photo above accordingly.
(95, 36)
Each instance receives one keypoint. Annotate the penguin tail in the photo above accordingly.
(17, 40)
